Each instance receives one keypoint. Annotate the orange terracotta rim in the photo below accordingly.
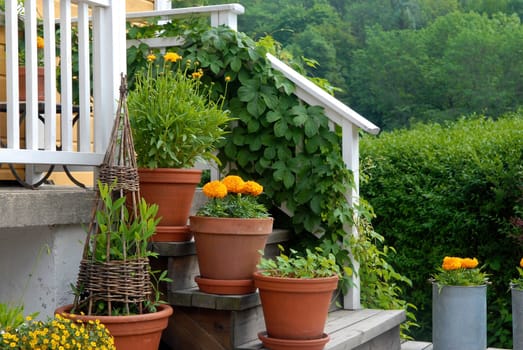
(293, 344)
(172, 234)
(158, 175)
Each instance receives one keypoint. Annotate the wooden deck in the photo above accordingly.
(358, 330)
(419, 345)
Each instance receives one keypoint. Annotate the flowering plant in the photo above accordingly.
(233, 197)
(518, 282)
(57, 333)
(456, 271)
(174, 119)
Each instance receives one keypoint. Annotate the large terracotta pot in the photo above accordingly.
(295, 308)
(173, 191)
(134, 332)
(228, 252)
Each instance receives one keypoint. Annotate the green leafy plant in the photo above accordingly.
(232, 198)
(313, 264)
(56, 333)
(129, 235)
(457, 271)
(175, 122)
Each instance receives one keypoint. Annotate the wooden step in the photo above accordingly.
(364, 329)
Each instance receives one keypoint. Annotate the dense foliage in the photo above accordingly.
(450, 190)
(393, 61)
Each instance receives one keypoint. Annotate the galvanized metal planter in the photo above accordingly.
(459, 317)
(517, 318)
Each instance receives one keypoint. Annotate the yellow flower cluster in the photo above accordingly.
(453, 263)
(231, 184)
(59, 333)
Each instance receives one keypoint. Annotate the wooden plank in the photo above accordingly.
(365, 330)
(246, 325)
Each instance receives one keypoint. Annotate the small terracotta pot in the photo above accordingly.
(22, 85)
(228, 249)
(134, 332)
(173, 190)
(295, 308)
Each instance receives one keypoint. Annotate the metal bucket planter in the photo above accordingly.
(517, 318)
(459, 317)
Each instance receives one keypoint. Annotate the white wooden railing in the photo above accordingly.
(106, 20)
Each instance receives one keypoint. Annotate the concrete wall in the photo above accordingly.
(41, 241)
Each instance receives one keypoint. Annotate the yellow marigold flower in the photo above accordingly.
(151, 57)
(234, 183)
(227, 78)
(198, 74)
(468, 263)
(40, 42)
(215, 189)
(253, 188)
(451, 263)
(172, 57)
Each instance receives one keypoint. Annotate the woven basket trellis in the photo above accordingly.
(122, 284)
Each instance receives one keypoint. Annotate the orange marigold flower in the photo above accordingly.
(521, 262)
(215, 189)
(172, 57)
(151, 57)
(468, 263)
(40, 42)
(253, 188)
(451, 263)
(234, 183)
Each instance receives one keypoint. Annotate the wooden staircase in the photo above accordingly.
(204, 321)
(215, 322)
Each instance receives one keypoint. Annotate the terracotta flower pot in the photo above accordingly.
(22, 85)
(228, 250)
(173, 191)
(134, 332)
(295, 308)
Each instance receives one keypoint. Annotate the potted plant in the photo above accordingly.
(114, 284)
(459, 305)
(175, 124)
(295, 293)
(516, 288)
(229, 230)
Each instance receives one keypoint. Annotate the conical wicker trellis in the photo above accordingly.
(125, 282)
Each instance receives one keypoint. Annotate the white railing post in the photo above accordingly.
(351, 157)
(108, 37)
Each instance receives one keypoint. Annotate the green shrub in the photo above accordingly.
(450, 189)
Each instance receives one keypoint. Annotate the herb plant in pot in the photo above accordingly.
(459, 305)
(175, 123)
(295, 293)
(229, 231)
(114, 285)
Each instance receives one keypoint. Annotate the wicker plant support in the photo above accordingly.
(119, 283)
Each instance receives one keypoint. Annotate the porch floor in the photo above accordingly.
(419, 345)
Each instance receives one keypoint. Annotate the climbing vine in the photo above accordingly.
(281, 142)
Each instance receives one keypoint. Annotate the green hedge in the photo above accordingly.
(449, 190)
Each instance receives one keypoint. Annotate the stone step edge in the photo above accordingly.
(192, 297)
(350, 328)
